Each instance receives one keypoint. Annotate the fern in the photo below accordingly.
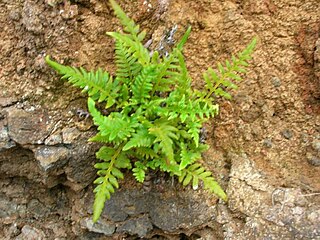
(196, 172)
(127, 65)
(98, 85)
(164, 133)
(139, 171)
(228, 73)
(156, 115)
(143, 84)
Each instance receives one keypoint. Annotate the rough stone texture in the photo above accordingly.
(264, 144)
(27, 127)
(28, 232)
(100, 227)
(276, 212)
(140, 226)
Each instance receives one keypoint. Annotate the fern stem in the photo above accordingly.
(214, 88)
(113, 159)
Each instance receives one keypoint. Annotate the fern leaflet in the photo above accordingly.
(139, 171)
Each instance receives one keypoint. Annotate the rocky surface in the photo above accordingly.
(265, 144)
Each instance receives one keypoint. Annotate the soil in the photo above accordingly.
(264, 145)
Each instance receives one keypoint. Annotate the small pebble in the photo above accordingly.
(316, 145)
(314, 161)
(267, 143)
(287, 134)
(276, 82)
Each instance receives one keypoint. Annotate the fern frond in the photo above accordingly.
(139, 171)
(196, 172)
(173, 71)
(184, 39)
(194, 130)
(228, 73)
(189, 108)
(168, 73)
(184, 79)
(187, 156)
(145, 153)
(99, 85)
(115, 127)
(127, 64)
(128, 24)
(141, 138)
(162, 164)
(107, 180)
(164, 133)
(143, 84)
(135, 48)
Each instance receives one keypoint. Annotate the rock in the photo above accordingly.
(37, 209)
(69, 135)
(27, 127)
(7, 101)
(53, 139)
(314, 161)
(51, 157)
(284, 217)
(31, 233)
(12, 232)
(31, 17)
(101, 226)
(7, 207)
(5, 141)
(170, 213)
(287, 134)
(267, 143)
(316, 145)
(276, 82)
(138, 226)
(70, 11)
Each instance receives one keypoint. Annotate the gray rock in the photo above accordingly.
(5, 141)
(101, 226)
(169, 213)
(314, 161)
(316, 145)
(13, 231)
(27, 127)
(51, 157)
(28, 233)
(287, 134)
(267, 143)
(30, 17)
(276, 82)
(7, 101)
(37, 209)
(7, 207)
(287, 216)
(138, 226)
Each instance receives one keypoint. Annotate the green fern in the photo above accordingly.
(157, 116)
(228, 73)
(99, 85)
